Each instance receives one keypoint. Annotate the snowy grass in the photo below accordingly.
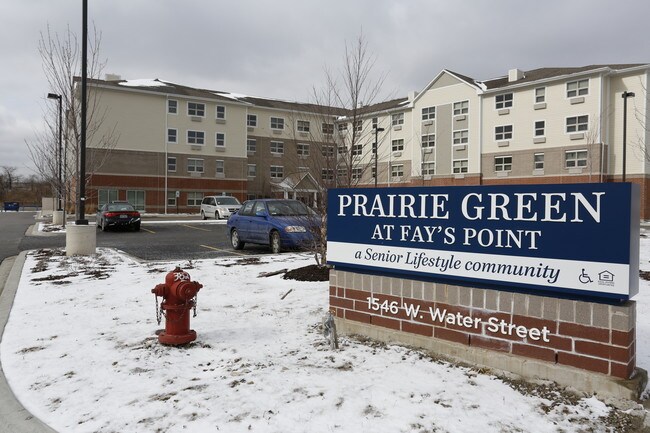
(80, 353)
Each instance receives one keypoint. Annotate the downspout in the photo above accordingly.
(480, 139)
(600, 129)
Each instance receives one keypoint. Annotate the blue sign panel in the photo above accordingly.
(576, 239)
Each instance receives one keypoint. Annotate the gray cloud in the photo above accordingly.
(279, 49)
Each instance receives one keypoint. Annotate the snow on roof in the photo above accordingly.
(144, 82)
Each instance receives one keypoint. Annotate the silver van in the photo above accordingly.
(219, 206)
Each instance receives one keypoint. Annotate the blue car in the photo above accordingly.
(280, 224)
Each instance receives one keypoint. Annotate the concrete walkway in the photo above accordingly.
(14, 418)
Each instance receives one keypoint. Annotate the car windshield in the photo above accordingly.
(287, 208)
(120, 208)
(227, 201)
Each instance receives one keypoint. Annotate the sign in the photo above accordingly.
(571, 239)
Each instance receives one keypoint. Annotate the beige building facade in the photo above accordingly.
(176, 144)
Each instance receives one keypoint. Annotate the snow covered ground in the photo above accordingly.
(80, 353)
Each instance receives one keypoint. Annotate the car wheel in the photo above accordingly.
(101, 226)
(217, 215)
(136, 227)
(235, 241)
(275, 242)
(203, 217)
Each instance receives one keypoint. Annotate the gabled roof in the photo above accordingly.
(168, 88)
(549, 73)
(299, 182)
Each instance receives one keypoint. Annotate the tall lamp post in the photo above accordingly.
(58, 180)
(625, 95)
(84, 84)
(375, 150)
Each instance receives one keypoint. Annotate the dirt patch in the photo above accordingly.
(309, 273)
(55, 277)
(644, 275)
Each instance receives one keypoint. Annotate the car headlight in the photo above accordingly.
(295, 229)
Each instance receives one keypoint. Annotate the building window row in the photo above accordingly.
(572, 159)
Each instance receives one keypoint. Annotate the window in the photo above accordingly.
(194, 198)
(538, 161)
(503, 132)
(195, 109)
(502, 163)
(428, 141)
(221, 169)
(171, 163)
(171, 198)
(577, 88)
(375, 122)
(172, 106)
(397, 145)
(220, 139)
(136, 198)
(577, 158)
(428, 113)
(277, 123)
(503, 101)
(251, 120)
(358, 125)
(221, 112)
(357, 149)
(251, 145)
(172, 135)
(461, 137)
(343, 127)
(194, 165)
(303, 126)
(397, 119)
(428, 168)
(196, 137)
(459, 166)
(327, 174)
(461, 107)
(342, 172)
(540, 128)
(356, 173)
(397, 170)
(328, 128)
(327, 150)
(373, 172)
(252, 170)
(277, 147)
(277, 172)
(577, 124)
(106, 196)
(303, 149)
(540, 95)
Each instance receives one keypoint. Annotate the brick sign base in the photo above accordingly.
(588, 346)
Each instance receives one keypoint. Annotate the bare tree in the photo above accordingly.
(61, 61)
(343, 155)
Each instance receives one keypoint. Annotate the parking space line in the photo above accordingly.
(196, 228)
(147, 230)
(225, 251)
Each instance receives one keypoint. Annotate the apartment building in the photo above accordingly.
(176, 144)
(549, 125)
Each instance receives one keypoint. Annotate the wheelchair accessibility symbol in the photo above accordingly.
(584, 278)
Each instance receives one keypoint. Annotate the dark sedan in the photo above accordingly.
(273, 222)
(121, 215)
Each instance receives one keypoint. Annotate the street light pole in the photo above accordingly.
(625, 95)
(82, 151)
(375, 150)
(60, 152)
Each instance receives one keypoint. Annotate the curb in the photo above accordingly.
(14, 417)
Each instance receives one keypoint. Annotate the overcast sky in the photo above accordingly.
(279, 49)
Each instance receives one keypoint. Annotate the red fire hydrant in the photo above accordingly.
(179, 297)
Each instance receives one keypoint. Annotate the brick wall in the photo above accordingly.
(591, 336)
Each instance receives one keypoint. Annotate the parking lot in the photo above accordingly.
(160, 238)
